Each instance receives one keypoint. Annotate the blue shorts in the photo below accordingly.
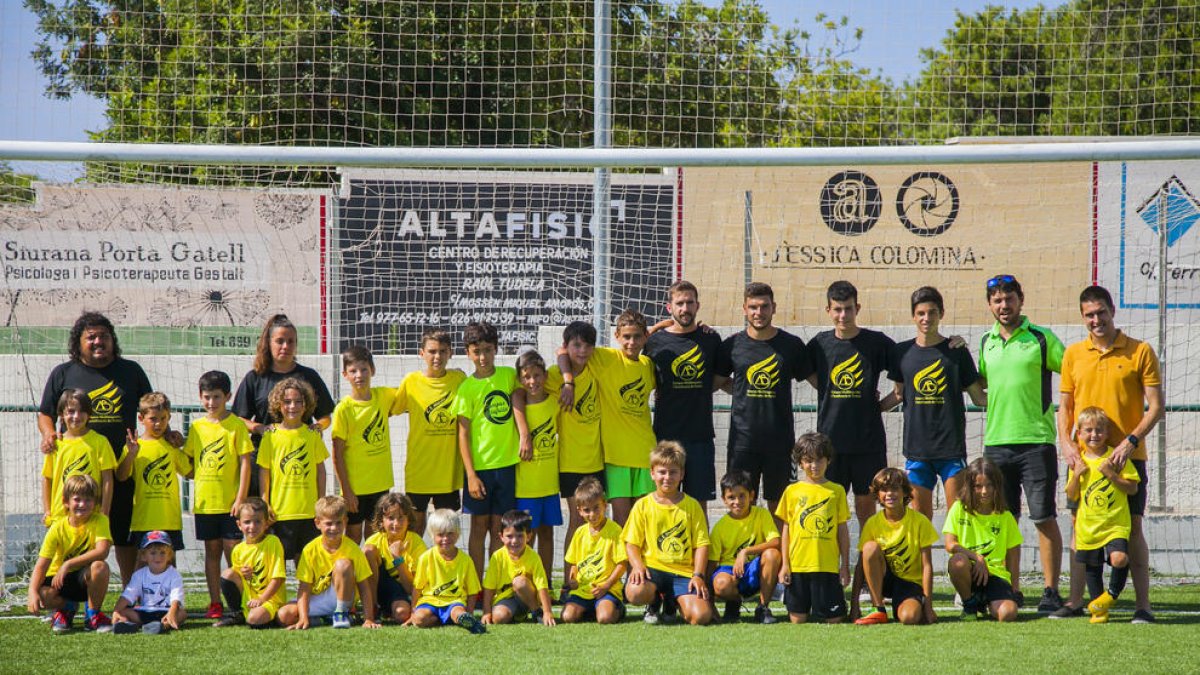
(442, 613)
(589, 604)
(925, 473)
(500, 492)
(546, 511)
(751, 581)
(671, 585)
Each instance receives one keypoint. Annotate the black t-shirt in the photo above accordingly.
(848, 374)
(250, 402)
(763, 370)
(114, 390)
(935, 417)
(683, 368)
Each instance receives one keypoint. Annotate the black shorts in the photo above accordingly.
(1032, 468)
(295, 535)
(900, 590)
(74, 586)
(1137, 500)
(568, 482)
(700, 469)
(210, 526)
(135, 538)
(500, 492)
(855, 472)
(389, 591)
(515, 607)
(366, 508)
(817, 594)
(150, 616)
(996, 589)
(442, 500)
(774, 469)
(120, 514)
(1097, 557)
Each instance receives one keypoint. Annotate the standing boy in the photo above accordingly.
(219, 446)
(153, 463)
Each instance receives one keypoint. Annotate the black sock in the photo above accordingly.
(232, 594)
(1095, 580)
(880, 608)
(1116, 580)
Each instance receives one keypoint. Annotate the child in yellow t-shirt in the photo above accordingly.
(896, 558)
(445, 582)
(515, 583)
(153, 463)
(331, 572)
(667, 542)
(255, 583)
(815, 536)
(291, 460)
(71, 565)
(537, 474)
(433, 469)
(392, 552)
(743, 556)
(219, 446)
(597, 561)
(362, 441)
(1102, 521)
(79, 451)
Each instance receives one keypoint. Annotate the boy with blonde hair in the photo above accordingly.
(666, 539)
(445, 582)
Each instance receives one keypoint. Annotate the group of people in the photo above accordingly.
(507, 444)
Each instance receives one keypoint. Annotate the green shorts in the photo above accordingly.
(627, 481)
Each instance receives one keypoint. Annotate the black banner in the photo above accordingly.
(512, 249)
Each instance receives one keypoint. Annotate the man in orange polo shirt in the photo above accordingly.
(1119, 375)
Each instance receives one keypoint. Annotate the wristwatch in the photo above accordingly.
(1133, 440)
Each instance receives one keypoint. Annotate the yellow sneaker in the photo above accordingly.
(1101, 604)
(1099, 617)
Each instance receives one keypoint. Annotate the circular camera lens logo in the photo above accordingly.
(927, 203)
(850, 203)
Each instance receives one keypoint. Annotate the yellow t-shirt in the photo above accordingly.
(812, 513)
(1103, 513)
(156, 488)
(579, 449)
(667, 534)
(730, 536)
(502, 569)
(364, 426)
(595, 556)
(539, 476)
(291, 456)
(266, 560)
(442, 582)
(216, 449)
(901, 542)
(626, 433)
(315, 566)
(414, 547)
(64, 541)
(433, 465)
(89, 455)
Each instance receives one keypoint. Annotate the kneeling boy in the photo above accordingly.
(597, 559)
(744, 553)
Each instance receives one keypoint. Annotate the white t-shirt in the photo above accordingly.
(151, 592)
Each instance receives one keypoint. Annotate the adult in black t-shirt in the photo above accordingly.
(929, 379)
(275, 361)
(114, 385)
(847, 363)
(763, 361)
(685, 356)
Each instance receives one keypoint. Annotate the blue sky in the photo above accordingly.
(894, 34)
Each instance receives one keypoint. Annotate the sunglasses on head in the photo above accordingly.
(1000, 279)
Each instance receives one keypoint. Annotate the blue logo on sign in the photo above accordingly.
(1181, 209)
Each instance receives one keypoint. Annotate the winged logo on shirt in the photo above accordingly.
(819, 523)
(930, 383)
(373, 433)
(763, 377)
(688, 367)
(158, 472)
(847, 376)
(438, 412)
(674, 540)
(212, 456)
(295, 462)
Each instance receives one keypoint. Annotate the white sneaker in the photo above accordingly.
(341, 619)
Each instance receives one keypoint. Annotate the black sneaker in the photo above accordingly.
(733, 612)
(651, 616)
(1051, 601)
(126, 628)
(670, 610)
(1066, 612)
(467, 620)
(762, 614)
(1143, 616)
(974, 604)
(227, 621)
(1019, 598)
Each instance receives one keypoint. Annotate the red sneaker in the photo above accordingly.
(215, 610)
(98, 622)
(873, 618)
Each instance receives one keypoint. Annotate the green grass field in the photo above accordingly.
(1031, 645)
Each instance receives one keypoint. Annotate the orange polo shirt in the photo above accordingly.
(1114, 381)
